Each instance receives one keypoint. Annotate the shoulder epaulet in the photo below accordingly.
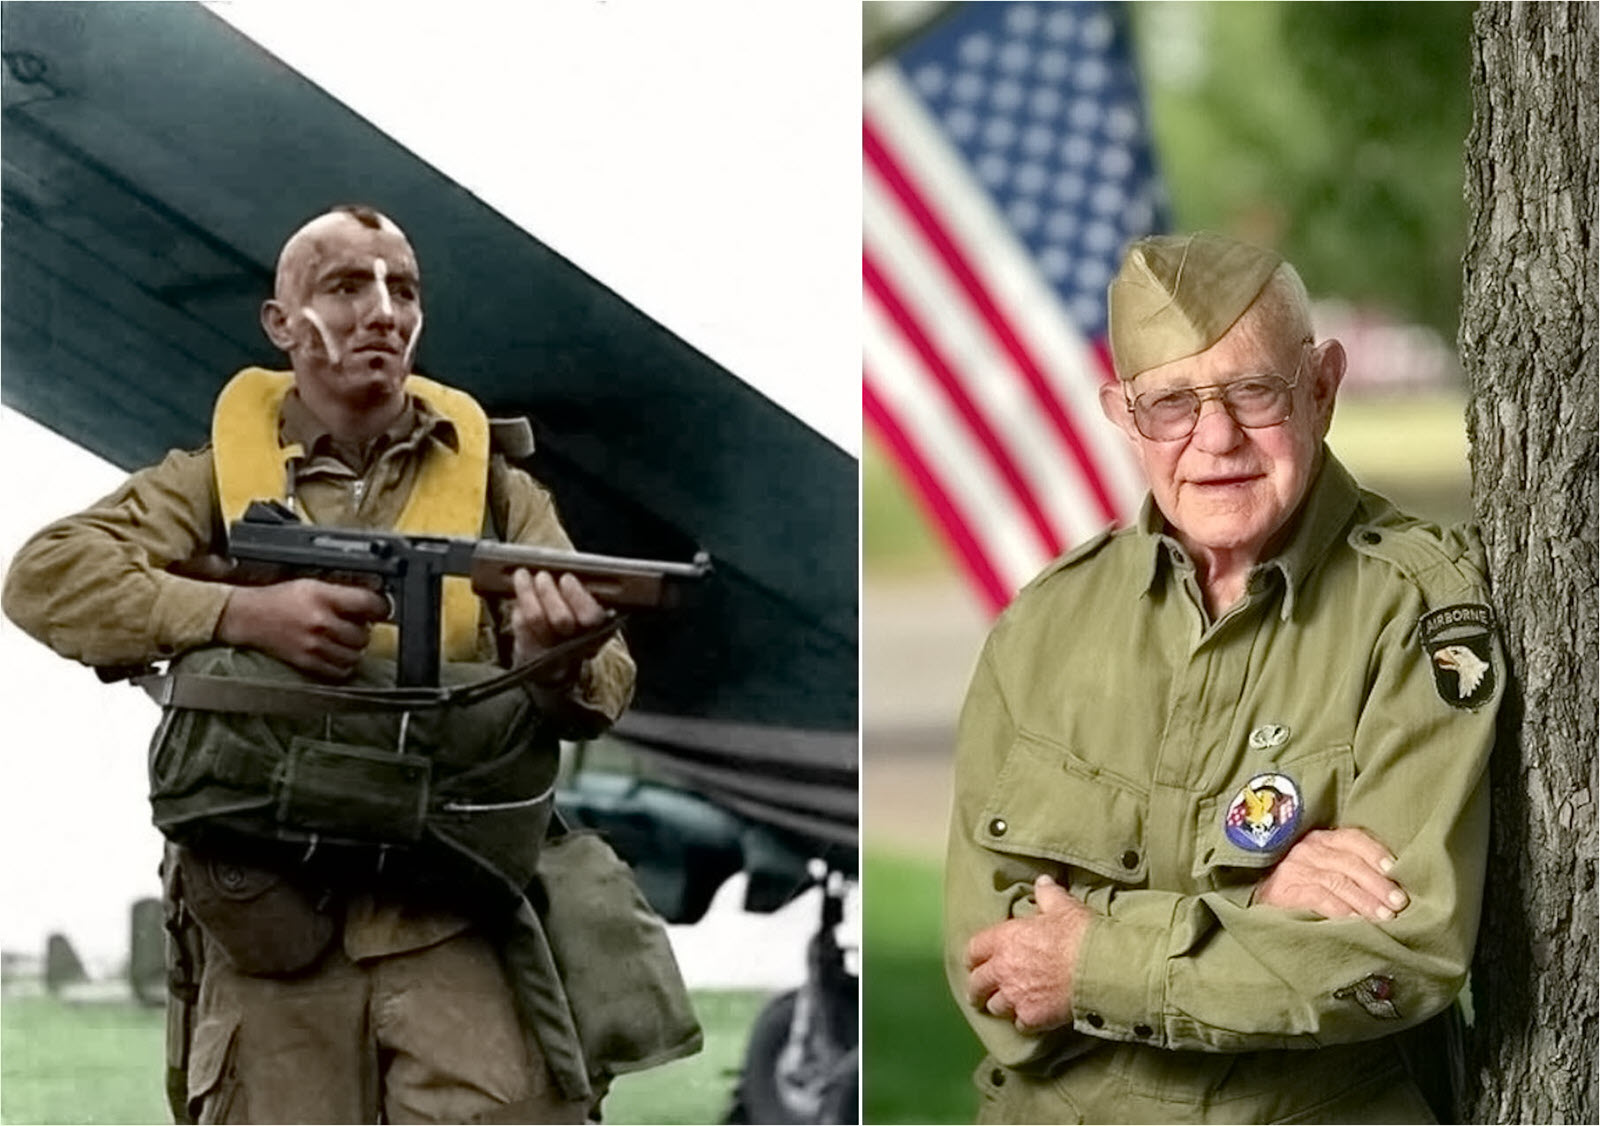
(1444, 564)
(512, 437)
(1073, 556)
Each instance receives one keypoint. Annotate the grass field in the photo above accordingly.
(1411, 449)
(102, 1063)
(919, 1053)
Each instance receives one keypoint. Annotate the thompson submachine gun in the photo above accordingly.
(410, 569)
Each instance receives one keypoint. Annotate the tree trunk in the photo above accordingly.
(1528, 342)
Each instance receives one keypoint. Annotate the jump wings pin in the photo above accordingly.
(1374, 993)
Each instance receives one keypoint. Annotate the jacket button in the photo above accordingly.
(997, 827)
(997, 1077)
(1143, 1030)
(1371, 537)
(230, 877)
(1095, 1020)
(1130, 859)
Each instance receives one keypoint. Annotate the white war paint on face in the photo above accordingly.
(380, 271)
(317, 323)
(411, 344)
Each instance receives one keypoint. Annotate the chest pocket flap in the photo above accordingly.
(1048, 803)
(1238, 833)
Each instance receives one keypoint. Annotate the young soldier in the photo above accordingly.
(324, 999)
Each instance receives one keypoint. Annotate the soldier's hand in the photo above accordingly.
(320, 628)
(1023, 968)
(547, 612)
(1336, 873)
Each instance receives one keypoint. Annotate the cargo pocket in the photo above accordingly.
(1037, 809)
(213, 1089)
(265, 924)
(1317, 783)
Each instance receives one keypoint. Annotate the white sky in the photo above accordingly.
(699, 158)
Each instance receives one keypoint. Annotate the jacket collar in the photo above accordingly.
(1317, 526)
(417, 422)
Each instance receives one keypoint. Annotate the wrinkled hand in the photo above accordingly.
(320, 628)
(1336, 873)
(547, 612)
(1023, 968)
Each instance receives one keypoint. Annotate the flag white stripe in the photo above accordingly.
(961, 467)
(1006, 270)
(989, 376)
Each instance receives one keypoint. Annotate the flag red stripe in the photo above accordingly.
(884, 163)
(936, 365)
(927, 488)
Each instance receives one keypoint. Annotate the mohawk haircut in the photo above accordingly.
(361, 213)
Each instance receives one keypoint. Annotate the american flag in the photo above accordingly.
(1006, 165)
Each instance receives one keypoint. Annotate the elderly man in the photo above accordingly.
(322, 999)
(1220, 814)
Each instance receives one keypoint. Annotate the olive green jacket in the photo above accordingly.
(96, 586)
(1110, 729)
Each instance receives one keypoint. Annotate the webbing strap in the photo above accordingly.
(543, 1002)
(254, 696)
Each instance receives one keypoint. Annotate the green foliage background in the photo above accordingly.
(102, 1063)
(1333, 132)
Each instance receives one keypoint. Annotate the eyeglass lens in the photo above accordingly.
(1258, 401)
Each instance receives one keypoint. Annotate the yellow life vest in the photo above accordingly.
(448, 498)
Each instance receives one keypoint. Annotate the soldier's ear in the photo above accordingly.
(275, 323)
(1114, 405)
(1327, 366)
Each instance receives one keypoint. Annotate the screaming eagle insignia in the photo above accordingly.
(1263, 815)
(1460, 647)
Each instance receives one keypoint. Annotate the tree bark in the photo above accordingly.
(1528, 343)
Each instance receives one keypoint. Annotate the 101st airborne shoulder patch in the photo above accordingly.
(1460, 646)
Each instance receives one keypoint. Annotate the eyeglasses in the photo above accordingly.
(1254, 402)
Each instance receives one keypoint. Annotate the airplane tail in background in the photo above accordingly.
(62, 966)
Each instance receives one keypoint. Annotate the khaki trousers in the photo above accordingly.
(429, 1035)
(1344, 1083)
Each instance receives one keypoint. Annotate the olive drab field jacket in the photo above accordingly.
(96, 586)
(1157, 764)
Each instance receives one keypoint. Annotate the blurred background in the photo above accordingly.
(1331, 132)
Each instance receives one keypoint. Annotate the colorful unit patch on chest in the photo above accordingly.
(1263, 815)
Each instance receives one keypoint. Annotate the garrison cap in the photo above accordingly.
(1177, 295)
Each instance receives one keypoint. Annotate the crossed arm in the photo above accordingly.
(1022, 969)
(1046, 968)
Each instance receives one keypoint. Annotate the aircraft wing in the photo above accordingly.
(154, 161)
